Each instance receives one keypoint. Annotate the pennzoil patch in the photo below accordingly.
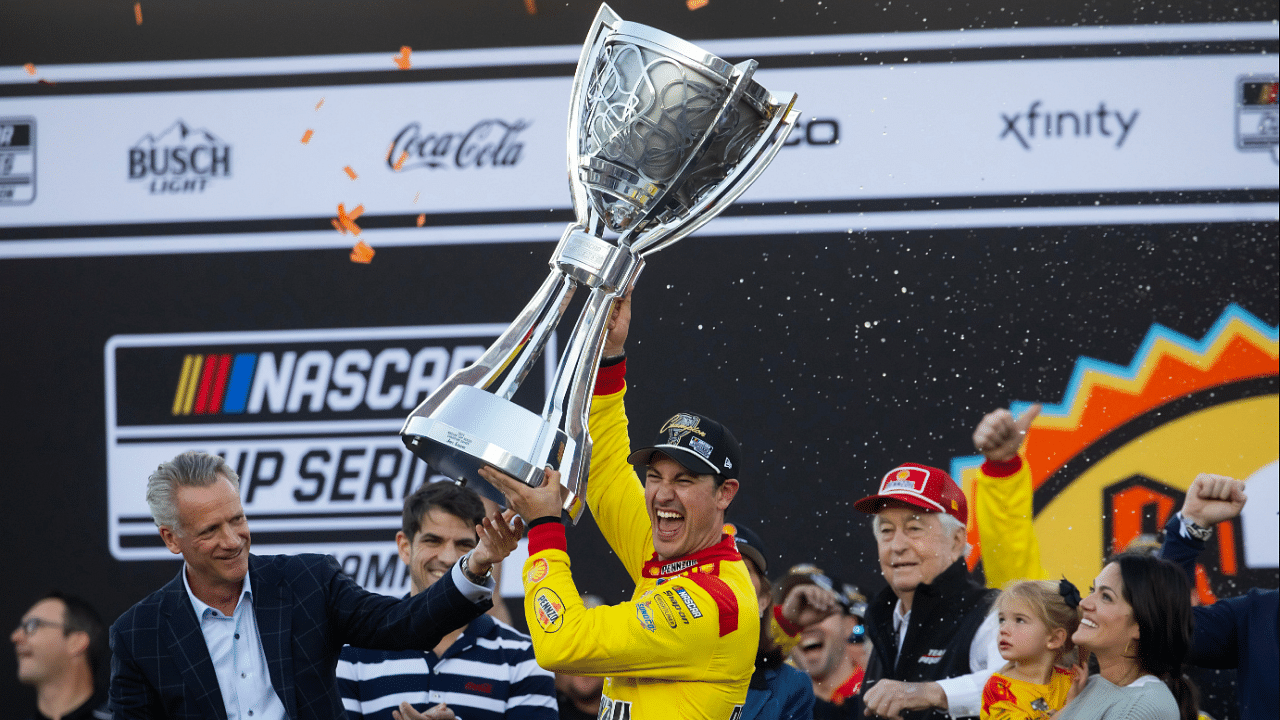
(538, 570)
(549, 610)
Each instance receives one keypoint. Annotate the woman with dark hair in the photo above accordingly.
(1137, 624)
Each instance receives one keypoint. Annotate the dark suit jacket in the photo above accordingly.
(306, 609)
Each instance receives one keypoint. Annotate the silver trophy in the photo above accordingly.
(662, 138)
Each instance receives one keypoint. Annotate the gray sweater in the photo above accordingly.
(1146, 698)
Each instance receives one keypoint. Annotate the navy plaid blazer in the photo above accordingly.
(306, 609)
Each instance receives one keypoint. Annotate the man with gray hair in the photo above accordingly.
(933, 642)
(236, 635)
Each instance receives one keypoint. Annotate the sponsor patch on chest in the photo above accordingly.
(933, 657)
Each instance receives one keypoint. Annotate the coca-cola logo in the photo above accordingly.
(487, 144)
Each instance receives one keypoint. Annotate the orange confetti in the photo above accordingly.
(137, 12)
(400, 161)
(319, 103)
(345, 223)
(531, 7)
(695, 4)
(422, 219)
(30, 68)
(306, 136)
(362, 253)
(350, 173)
(402, 60)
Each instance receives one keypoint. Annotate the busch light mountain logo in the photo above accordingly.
(487, 144)
(180, 160)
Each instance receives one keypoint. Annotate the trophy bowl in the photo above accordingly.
(662, 137)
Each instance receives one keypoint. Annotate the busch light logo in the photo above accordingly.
(180, 160)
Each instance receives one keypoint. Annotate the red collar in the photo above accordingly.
(707, 560)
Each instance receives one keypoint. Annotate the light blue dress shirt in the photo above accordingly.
(238, 658)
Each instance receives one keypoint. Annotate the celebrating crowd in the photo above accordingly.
(706, 633)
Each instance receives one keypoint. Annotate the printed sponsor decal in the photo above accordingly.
(17, 161)
(1041, 124)
(538, 570)
(548, 610)
(611, 709)
(310, 421)
(675, 605)
(687, 599)
(180, 160)
(492, 143)
(1257, 118)
(700, 446)
(644, 616)
(676, 566)
(666, 611)
(933, 657)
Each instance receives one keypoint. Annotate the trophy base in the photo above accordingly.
(473, 428)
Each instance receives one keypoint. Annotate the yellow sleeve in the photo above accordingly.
(785, 636)
(1003, 507)
(614, 493)
(669, 632)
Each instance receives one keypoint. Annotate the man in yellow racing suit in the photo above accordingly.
(684, 646)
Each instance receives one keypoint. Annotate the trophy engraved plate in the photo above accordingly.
(662, 137)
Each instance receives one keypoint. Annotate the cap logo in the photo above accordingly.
(679, 426)
(903, 474)
(700, 446)
(912, 480)
(898, 485)
(728, 464)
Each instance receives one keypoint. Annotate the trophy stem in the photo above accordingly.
(537, 341)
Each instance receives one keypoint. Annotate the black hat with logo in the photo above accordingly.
(697, 442)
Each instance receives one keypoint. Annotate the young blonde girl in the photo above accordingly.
(1037, 619)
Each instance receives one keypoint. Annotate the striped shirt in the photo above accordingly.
(488, 673)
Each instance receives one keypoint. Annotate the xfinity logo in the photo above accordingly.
(179, 160)
(487, 144)
(1041, 124)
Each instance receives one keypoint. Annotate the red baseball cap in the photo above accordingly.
(927, 488)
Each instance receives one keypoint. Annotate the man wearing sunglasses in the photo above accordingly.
(60, 645)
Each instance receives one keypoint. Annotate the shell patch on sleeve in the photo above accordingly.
(538, 570)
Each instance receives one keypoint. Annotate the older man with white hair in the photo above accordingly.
(934, 643)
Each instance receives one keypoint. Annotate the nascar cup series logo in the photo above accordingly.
(308, 419)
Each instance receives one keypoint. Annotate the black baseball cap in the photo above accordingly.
(697, 442)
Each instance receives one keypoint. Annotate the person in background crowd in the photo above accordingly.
(238, 635)
(579, 695)
(832, 652)
(684, 645)
(1037, 619)
(484, 671)
(934, 640)
(777, 690)
(1237, 632)
(60, 646)
(1136, 622)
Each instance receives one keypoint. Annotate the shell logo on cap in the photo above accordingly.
(903, 474)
